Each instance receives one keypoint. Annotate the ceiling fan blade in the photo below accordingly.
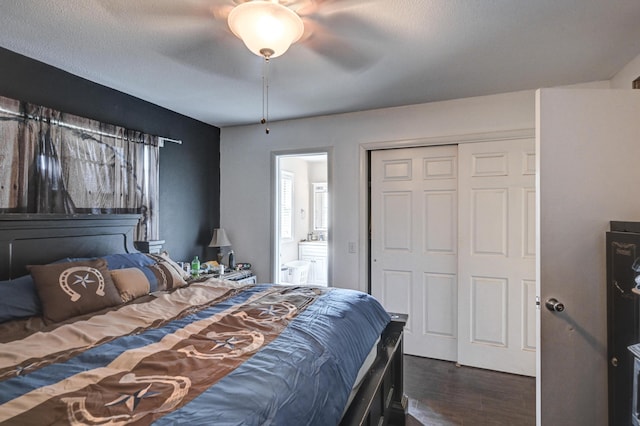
(220, 54)
(339, 38)
(309, 7)
(192, 33)
(154, 9)
(340, 52)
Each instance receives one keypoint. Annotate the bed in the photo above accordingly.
(168, 350)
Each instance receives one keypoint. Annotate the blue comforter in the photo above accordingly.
(209, 353)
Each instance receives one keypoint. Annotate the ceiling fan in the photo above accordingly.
(195, 32)
(206, 33)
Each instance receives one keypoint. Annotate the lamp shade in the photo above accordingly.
(219, 238)
(267, 28)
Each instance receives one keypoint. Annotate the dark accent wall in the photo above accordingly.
(189, 173)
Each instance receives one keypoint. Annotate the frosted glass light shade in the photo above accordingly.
(265, 27)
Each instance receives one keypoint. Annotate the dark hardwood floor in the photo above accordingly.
(442, 394)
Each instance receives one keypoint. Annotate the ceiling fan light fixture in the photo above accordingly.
(267, 28)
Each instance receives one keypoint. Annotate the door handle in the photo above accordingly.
(554, 306)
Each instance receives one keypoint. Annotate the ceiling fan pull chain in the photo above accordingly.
(266, 59)
(265, 94)
(264, 66)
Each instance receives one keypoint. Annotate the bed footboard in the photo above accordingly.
(381, 399)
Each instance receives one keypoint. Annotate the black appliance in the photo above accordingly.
(623, 317)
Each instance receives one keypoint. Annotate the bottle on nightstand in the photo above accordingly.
(232, 260)
(195, 267)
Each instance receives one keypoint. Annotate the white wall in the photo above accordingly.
(246, 162)
(317, 172)
(245, 168)
(624, 78)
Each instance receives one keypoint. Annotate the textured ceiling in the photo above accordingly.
(355, 55)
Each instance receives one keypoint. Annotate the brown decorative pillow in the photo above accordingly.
(74, 288)
(130, 282)
(164, 257)
(168, 278)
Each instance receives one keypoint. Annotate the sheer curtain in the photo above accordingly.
(52, 162)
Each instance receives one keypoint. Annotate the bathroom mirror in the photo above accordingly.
(320, 207)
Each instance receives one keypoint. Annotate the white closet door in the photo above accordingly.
(496, 260)
(414, 244)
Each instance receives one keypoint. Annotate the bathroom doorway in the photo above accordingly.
(302, 221)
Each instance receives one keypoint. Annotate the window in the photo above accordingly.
(286, 205)
(73, 165)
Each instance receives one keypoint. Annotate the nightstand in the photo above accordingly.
(153, 247)
(244, 276)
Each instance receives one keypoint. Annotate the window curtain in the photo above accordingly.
(52, 162)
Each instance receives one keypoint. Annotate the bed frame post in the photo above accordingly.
(399, 401)
(381, 400)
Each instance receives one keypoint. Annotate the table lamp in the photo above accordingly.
(220, 241)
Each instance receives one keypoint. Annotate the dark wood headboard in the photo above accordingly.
(36, 239)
